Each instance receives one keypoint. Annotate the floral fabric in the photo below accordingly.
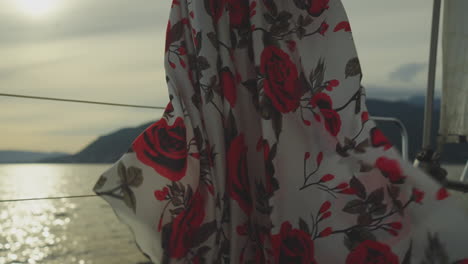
(266, 153)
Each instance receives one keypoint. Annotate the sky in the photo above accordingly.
(112, 51)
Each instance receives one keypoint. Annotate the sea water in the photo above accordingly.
(66, 231)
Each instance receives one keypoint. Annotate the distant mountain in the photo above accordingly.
(412, 116)
(13, 156)
(109, 148)
(420, 100)
(105, 149)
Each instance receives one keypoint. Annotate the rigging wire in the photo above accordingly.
(48, 198)
(80, 101)
(69, 101)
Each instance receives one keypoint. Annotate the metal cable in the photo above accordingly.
(80, 101)
(70, 101)
(48, 198)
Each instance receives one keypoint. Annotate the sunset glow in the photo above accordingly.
(36, 8)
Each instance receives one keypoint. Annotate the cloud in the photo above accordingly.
(8, 71)
(79, 18)
(408, 72)
(391, 93)
(395, 93)
(113, 50)
(385, 39)
(107, 50)
(126, 68)
(56, 126)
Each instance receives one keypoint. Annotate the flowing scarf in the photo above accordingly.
(266, 152)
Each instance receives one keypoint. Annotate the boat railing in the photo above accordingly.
(461, 185)
(403, 133)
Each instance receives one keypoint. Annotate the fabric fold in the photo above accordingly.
(266, 152)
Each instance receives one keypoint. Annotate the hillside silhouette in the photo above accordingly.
(109, 148)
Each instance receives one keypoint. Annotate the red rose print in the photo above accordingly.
(161, 195)
(281, 79)
(292, 246)
(238, 181)
(317, 7)
(331, 117)
(259, 144)
(238, 13)
(182, 51)
(169, 108)
(266, 151)
(325, 206)
(349, 191)
(164, 148)
(230, 180)
(331, 84)
(342, 25)
(391, 231)
(390, 169)
(323, 28)
(182, 63)
(442, 194)
(253, 13)
(253, 5)
(210, 188)
(215, 9)
(327, 178)
(195, 39)
(326, 232)
(292, 45)
(365, 117)
(372, 252)
(269, 4)
(317, 117)
(396, 225)
(168, 36)
(184, 227)
(332, 121)
(228, 85)
(378, 139)
(417, 195)
(195, 155)
(325, 216)
(319, 158)
(321, 100)
(259, 256)
(342, 185)
(196, 260)
(242, 229)
(175, 2)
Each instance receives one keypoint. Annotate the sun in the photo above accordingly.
(36, 8)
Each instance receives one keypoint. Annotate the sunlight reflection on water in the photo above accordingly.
(61, 231)
(31, 180)
(65, 231)
(30, 230)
